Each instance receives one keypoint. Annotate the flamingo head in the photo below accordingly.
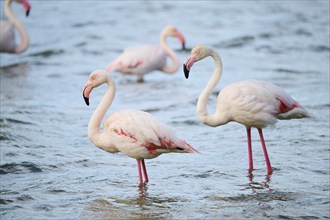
(172, 31)
(25, 4)
(96, 78)
(197, 53)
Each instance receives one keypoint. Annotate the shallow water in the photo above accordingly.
(50, 169)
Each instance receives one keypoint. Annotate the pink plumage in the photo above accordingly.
(144, 59)
(140, 135)
(257, 104)
(251, 103)
(135, 133)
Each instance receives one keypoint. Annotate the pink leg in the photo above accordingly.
(248, 132)
(269, 166)
(139, 170)
(144, 171)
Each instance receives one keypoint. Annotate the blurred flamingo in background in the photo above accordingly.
(251, 103)
(135, 133)
(146, 58)
(7, 34)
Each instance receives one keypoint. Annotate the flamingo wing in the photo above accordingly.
(140, 135)
(139, 60)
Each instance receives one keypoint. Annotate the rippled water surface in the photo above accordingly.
(51, 170)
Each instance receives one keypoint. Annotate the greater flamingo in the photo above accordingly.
(146, 58)
(135, 133)
(251, 103)
(7, 34)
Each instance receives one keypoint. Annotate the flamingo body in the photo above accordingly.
(140, 60)
(135, 133)
(256, 104)
(144, 59)
(140, 135)
(7, 37)
(7, 33)
(251, 103)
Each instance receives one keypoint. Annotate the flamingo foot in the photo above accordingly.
(139, 79)
(269, 170)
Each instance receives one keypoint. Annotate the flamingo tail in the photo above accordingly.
(297, 112)
(184, 147)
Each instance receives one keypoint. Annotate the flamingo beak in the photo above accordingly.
(28, 12)
(188, 64)
(186, 71)
(86, 91)
(26, 6)
(182, 40)
(86, 100)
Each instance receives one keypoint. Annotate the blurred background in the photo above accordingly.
(50, 169)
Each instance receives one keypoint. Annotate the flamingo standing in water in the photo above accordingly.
(251, 103)
(135, 133)
(146, 58)
(7, 34)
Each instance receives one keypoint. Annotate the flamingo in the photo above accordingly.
(7, 34)
(135, 133)
(143, 59)
(252, 103)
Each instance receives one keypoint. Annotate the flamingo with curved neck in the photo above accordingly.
(251, 103)
(147, 58)
(7, 34)
(135, 133)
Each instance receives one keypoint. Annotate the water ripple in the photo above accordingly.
(47, 53)
(261, 197)
(235, 42)
(4, 122)
(19, 168)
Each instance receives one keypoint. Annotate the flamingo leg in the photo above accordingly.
(145, 174)
(269, 166)
(248, 132)
(139, 79)
(139, 170)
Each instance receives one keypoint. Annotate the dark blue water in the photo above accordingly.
(50, 169)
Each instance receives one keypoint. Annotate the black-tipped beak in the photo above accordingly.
(28, 11)
(186, 71)
(183, 45)
(86, 100)
(86, 91)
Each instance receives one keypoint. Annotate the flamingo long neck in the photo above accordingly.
(175, 62)
(23, 45)
(211, 120)
(94, 132)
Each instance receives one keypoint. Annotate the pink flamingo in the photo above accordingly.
(251, 103)
(135, 133)
(146, 58)
(7, 34)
